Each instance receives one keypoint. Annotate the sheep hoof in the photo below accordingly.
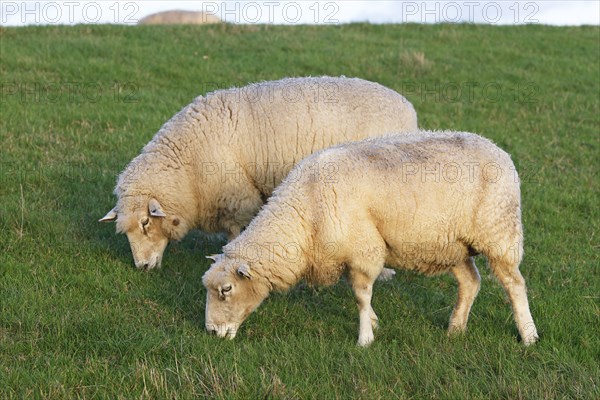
(386, 275)
(366, 341)
(455, 332)
(531, 339)
(456, 329)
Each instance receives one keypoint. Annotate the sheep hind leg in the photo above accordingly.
(511, 279)
(386, 275)
(362, 286)
(469, 281)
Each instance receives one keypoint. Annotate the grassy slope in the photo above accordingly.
(77, 320)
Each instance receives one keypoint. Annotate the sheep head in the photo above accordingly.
(148, 228)
(232, 293)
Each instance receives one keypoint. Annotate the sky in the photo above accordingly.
(18, 13)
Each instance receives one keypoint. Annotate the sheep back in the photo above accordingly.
(221, 156)
(424, 201)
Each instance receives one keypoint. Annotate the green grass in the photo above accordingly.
(76, 320)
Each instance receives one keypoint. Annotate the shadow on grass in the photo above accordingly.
(331, 312)
(178, 284)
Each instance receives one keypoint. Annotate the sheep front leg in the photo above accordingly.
(362, 286)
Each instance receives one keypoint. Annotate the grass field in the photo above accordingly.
(78, 321)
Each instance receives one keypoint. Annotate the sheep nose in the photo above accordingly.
(145, 266)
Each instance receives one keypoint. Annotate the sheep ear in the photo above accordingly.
(213, 257)
(110, 216)
(155, 209)
(244, 271)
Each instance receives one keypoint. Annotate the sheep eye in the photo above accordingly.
(226, 289)
(145, 221)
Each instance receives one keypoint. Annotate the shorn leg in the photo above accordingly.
(468, 280)
(511, 279)
(362, 286)
(386, 275)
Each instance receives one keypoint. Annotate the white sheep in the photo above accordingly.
(181, 17)
(427, 201)
(214, 164)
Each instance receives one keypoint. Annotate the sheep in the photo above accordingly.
(176, 17)
(422, 201)
(214, 164)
